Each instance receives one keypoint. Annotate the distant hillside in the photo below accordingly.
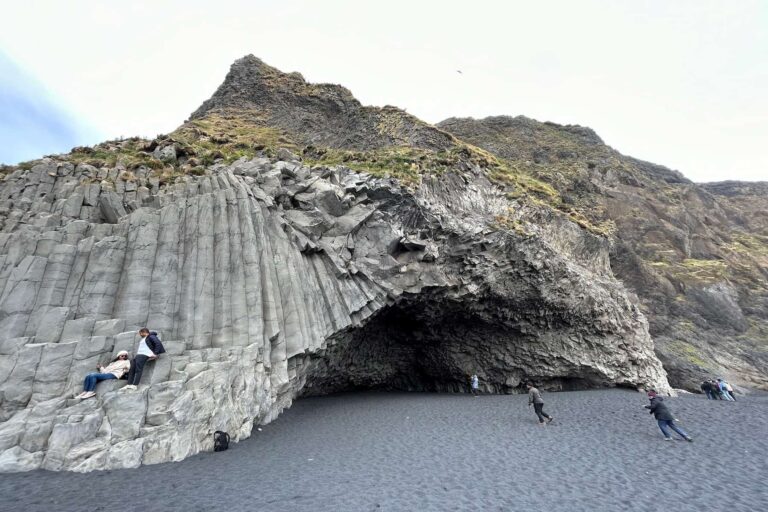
(696, 255)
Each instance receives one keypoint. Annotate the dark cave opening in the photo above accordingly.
(433, 343)
(414, 345)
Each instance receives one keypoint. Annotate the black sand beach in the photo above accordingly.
(400, 451)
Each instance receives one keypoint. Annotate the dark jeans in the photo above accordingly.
(539, 409)
(709, 394)
(89, 384)
(732, 395)
(665, 425)
(137, 366)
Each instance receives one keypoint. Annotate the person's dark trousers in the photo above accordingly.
(539, 408)
(665, 425)
(733, 395)
(89, 384)
(137, 366)
(709, 394)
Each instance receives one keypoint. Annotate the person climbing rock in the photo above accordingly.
(664, 417)
(474, 384)
(149, 349)
(114, 370)
(534, 398)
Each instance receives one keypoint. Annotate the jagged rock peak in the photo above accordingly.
(252, 83)
(316, 114)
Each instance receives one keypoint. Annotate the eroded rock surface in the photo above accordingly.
(268, 279)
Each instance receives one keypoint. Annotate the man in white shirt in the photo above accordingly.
(143, 354)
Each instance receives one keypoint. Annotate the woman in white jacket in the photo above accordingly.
(114, 370)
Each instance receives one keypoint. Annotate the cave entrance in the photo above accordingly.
(413, 345)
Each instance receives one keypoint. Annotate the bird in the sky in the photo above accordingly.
(459, 72)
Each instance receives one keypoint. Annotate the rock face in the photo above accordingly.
(269, 279)
(696, 255)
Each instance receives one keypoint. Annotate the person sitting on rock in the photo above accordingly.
(114, 370)
(149, 348)
(664, 417)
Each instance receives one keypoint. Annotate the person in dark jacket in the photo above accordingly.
(664, 417)
(716, 393)
(149, 349)
(706, 387)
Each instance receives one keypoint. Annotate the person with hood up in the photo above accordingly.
(664, 417)
(114, 370)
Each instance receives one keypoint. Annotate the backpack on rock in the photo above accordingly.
(220, 441)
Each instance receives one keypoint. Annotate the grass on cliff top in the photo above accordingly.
(688, 352)
(693, 270)
(125, 152)
(229, 136)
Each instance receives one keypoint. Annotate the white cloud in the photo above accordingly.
(678, 83)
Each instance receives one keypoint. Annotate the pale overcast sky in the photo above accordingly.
(680, 83)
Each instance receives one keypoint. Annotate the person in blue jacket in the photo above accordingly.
(149, 349)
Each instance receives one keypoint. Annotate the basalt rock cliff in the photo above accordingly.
(695, 254)
(288, 241)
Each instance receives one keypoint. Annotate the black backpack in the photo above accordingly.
(220, 441)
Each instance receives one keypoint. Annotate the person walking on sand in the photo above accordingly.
(664, 417)
(706, 387)
(474, 384)
(534, 398)
(717, 391)
(729, 390)
(114, 370)
(150, 348)
(724, 391)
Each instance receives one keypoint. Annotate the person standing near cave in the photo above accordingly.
(534, 398)
(474, 384)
